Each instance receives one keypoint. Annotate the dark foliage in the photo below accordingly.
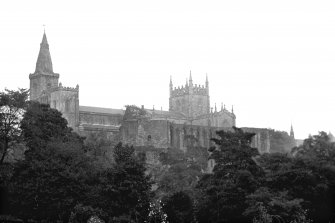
(12, 107)
(125, 187)
(222, 194)
(178, 207)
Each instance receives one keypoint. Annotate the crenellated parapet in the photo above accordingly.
(60, 87)
(187, 90)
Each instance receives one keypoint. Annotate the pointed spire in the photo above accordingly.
(191, 81)
(232, 109)
(292, 132)
(215, 108)
(44, 63)
(206, 78)
(221, 106)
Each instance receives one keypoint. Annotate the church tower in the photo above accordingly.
(44, 87)
(191, 100)
(43, 78)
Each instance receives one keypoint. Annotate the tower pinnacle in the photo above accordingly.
(44, 63)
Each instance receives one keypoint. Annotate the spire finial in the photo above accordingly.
(44, 28)
(215, 108)
(206, 78)
(221, 106)
(232, 109)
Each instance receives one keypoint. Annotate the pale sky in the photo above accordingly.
(272, 60)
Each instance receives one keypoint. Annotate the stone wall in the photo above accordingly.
(261, 140)
(66, 100)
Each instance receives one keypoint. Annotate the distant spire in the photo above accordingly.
(190, 80)
(292, 132)
(171, 85)
(221, 106)
(224, 107)
(44, 63)
(206, 78)
(215, 108)
(232, 109)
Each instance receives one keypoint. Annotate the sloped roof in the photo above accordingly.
(91, 109)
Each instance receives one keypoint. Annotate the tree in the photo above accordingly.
(12, 107)
(319, 147)
(56, 173)
(178, 207)
(42, 124)
(101, 144)
(222, 194)
(314, 176)
(281, 142)
(126, 187)
(181, 171)
(278, 205)
(301, 184)
(51, 181)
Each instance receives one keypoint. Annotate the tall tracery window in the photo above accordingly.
(67, 105)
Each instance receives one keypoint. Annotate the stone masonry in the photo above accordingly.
(190, 121)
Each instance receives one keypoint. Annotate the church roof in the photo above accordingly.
(91, 109)
(44, 63)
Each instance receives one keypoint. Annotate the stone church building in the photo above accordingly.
(190, 120)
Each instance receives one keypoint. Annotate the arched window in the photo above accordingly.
(67, 105)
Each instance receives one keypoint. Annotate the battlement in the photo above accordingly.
(187, 90)
(60, 87)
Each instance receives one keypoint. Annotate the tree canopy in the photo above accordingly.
(12, 107)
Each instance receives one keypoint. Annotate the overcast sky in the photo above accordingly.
(272, 60)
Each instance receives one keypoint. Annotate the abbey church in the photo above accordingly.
(190, 120)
